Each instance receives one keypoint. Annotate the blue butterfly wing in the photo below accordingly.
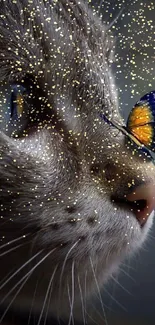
(150, 98)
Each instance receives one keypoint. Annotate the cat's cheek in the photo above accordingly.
(122, 247)
(104, 272)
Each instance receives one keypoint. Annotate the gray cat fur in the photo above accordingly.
(57, 183)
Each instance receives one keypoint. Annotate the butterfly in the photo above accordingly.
(140, 127)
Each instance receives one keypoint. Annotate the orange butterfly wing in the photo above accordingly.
(140, 123)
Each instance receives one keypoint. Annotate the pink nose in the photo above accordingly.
(142, 201)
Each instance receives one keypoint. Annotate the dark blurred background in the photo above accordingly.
(132, 301)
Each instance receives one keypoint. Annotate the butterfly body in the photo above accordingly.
(140, 127)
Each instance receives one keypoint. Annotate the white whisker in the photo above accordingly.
(116, 18)
(85, 291)
(64, 263)
(46, 296)
(11, 302)
(100, 7)
(14, 241)
(34, 267)
(82, 302)
(149, 234)
(15, 273)
(49, 299)
(61, 274)
(34, 295)
(91, 318)
(71, 318)
(12, 249)
(121, 285)
(106, 322)
(69, 297)
(7, 275)
(115, 300)
(97, 311)
(128, 266)
(122, 270)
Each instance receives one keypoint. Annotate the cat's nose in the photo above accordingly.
(142, 202)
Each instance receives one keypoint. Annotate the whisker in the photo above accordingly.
(85, 291)
(64, 263)
(1, 319)
(71, 318)
(61, 274)
(100, 7)
(34, 267)
(121, 286)
(116, 18)
(82, 302)
(151, 231)
(146, 250)
(14, 240)
(30, 313)
(12, 249)
(91, 318)
(6, 276)
(151, 238)
(127, 274)
(97, 311)
(69, 297)
(84, 312)
(128, 266)
(106, 322)
(115, 300)
(113, 292)
(15, 273)
(46, 296)
(49, 299)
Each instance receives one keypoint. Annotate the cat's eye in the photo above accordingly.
(14, 109)
(17, 102)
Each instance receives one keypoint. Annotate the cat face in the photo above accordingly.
(65, 174)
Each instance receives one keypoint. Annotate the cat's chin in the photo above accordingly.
(86, 281)
(103, 274)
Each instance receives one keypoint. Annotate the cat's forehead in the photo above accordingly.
(61, 49)
(38, 32)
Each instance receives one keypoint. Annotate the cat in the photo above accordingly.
(76, 199)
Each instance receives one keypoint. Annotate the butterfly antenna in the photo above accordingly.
(100, 7)
(109, 26)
